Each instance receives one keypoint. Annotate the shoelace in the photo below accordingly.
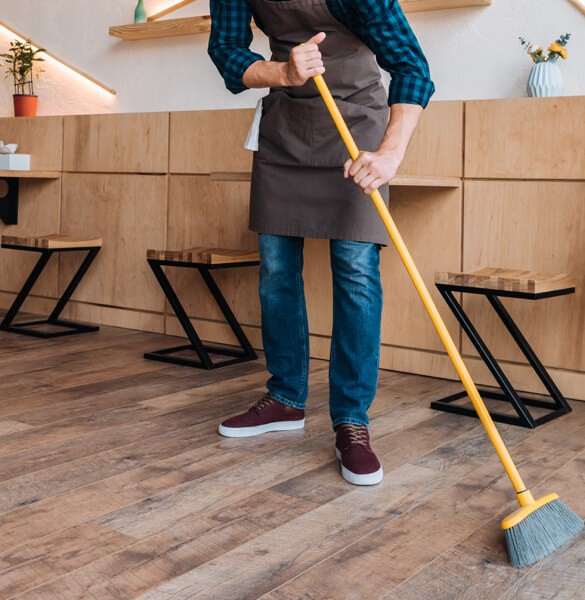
(355, 435)
(265, 401)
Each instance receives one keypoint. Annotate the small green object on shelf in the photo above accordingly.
(140, 15)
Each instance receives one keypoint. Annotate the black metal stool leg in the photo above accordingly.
(557, 407)
(196, 343)
(203, 350)
(539, 369)
(25, 290)
(54, 316)
(227, 313)
(523, 417)
(65, 327)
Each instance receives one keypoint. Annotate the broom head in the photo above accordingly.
(538, 529)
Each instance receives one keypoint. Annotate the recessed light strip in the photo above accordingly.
(73, 68)
(579, 4)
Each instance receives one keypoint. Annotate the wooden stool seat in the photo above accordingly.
(54, 241)
(204, 259)
(493, 282)
(46, 246)
(209, 256)
(508, 280)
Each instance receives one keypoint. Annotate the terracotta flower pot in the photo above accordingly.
(24, 105)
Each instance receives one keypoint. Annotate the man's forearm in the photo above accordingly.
(263, 73)
(373, 169)
(304, 61)
(403, 121)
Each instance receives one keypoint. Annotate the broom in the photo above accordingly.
(538, 527)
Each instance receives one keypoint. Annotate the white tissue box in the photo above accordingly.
(14, 162)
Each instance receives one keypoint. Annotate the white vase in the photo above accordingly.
(545, 80)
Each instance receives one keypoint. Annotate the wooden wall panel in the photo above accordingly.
(436, 147)
(125, 143)
(204, 212)
(207, 141)
(430, 224)
(525, 138)
(41, 137)
(537, 226)
(129, 213)
(38, 214)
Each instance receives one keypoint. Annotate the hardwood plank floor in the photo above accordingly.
(114, 484)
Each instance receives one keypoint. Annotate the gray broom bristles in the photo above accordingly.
(541, 533)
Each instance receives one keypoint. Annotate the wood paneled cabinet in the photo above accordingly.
(474, 190)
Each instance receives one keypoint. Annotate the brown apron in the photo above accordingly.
(298, 188)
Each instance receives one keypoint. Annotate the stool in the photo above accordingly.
(493, 283)
(204, 260)
(47, 245)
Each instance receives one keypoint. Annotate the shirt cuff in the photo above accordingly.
(235, 83)
(410, 89)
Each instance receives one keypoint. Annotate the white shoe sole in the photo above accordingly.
(355, 478)
(240, 432)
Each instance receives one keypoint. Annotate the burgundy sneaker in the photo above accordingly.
(266, 415)
(359, 464)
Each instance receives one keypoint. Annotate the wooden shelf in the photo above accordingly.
(425, 181)
(202, 24)
(398, 181)
(30, 174)
(426, 5)
(160, 29)
(9, 201)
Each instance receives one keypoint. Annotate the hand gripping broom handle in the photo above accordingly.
(524, 496)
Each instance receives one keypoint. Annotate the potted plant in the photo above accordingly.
(20, 63)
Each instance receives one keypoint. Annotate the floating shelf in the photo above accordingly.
(160, 29)
(425, 181)
(30, 174)
(429, 181)
(202, 24)
(425, 5)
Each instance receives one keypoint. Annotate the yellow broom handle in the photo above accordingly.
(427, 300)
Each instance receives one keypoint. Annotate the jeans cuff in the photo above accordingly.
(349, 421)
(281, 400)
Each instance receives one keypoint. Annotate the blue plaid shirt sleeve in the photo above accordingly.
(382, 26)
(229, 41)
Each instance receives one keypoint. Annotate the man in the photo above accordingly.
(303, 185)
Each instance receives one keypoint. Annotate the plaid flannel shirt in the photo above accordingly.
(379, 24)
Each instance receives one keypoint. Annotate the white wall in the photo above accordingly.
(474, 53)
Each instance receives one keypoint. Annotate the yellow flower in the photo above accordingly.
(563, 53)
(554, 47)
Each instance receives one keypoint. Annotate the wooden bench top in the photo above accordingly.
(54, 241)
(511, 280)
(205, 255)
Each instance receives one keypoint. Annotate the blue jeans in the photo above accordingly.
(355, 341)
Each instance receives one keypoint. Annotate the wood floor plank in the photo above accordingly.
(33, 564)
(174, 551)
(31, 487)
(180, 511)
(263, 562)
(113, 408)
(114, 484)
(413, 541)
(138, 485)
(170, 419)
(7, 427)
